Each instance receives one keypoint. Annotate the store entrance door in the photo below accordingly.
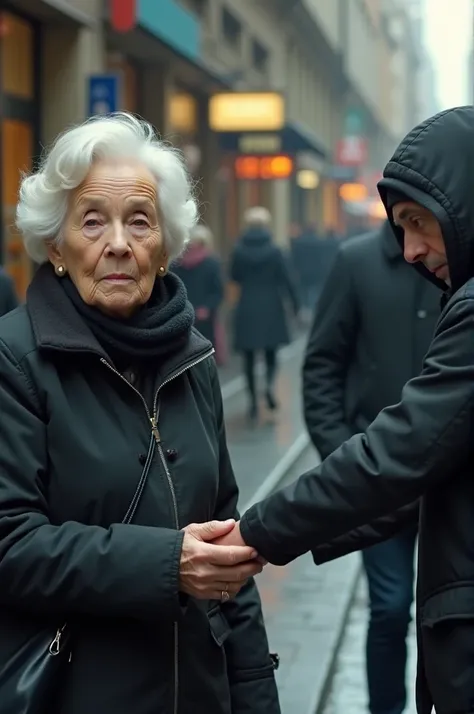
(19, 134)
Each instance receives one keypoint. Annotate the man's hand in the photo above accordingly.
(231, 537)
(208, 570)
(234, 538)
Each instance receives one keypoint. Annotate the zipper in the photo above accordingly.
(153, 419)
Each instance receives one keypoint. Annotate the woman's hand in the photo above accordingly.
(208, 570)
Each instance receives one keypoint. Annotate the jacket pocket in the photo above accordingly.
(455, 603)
(220, 628)
(447, 633)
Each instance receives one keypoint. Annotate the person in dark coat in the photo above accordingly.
(114, 470)
(8, 298)
(422, 447)
(312, 259)
(201, 274)
(259, 268)
(372, 327)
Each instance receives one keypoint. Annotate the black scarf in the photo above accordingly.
(159, 328)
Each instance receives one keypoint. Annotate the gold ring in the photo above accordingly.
(225, 596)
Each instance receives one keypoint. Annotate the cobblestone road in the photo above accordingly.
(348, 691)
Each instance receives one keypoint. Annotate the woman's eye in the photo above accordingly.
(91, 223)
(140, 223)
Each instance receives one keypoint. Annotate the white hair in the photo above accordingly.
(257, 216)
(43, 199)
(202, 234)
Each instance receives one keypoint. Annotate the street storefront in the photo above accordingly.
(19, 127)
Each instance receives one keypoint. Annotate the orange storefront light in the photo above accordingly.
(265, 168)
(353, 192)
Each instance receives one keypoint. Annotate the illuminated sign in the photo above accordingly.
(353, 192)
(263, 167)
(247, 111)
(260, 144)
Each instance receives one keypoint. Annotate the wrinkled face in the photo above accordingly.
(423, 239)
(112, 243)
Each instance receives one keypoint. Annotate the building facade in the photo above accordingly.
(342, 69)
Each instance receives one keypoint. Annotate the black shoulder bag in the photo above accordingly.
(30, 680)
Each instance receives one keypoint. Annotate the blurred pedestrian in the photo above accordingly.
(200, 270)
(372, 327)
(8, 298)
(312, 258)
(113, 455)
(260, 269)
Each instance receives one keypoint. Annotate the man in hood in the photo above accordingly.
(421, 447)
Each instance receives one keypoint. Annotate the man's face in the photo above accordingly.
(423, 240)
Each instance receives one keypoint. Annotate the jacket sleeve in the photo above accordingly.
(407, 449)
(250, 667)
(328, 355)
(287, 282)
(45, 568)
(380, 530)
(216, 287)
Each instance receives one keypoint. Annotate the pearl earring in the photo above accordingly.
(60, 270)
(161, 270)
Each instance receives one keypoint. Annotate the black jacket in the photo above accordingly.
(205, 288)
(422, 447)
(262, 273)
(74, 437)
(372, 326)
(8, 299)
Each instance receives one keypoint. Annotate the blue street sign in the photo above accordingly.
(103, 94)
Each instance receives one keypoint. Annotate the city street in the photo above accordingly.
(304, 606)
(348, 693)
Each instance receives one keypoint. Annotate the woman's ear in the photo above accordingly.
(54, 254)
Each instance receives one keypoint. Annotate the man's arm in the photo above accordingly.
(408, 448)
(328, 354)
(380, 530)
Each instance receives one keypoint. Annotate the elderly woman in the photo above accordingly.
(112, 450)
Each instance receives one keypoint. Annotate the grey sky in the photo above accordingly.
(449, 37)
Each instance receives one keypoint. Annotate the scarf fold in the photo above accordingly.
(159, 328)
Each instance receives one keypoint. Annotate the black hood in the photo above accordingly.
(257, 244)
(434, 166)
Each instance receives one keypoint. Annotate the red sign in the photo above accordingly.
(352, 151)
(123, 15)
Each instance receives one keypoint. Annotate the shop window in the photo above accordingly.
(231, 28)
(259, 57)
(17, 150)
(17, 48)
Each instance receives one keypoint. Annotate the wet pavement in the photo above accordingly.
(348, 694)
(304, 605)
(257, 448)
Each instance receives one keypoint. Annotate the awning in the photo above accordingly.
(55, 11)
(293, 138)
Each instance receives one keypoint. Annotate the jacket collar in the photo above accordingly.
(390, 244)
(57, 326)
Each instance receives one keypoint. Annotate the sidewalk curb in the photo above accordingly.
(321, 694)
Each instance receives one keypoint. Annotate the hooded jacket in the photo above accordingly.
(421, 447)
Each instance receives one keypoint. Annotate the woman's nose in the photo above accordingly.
(118, 243)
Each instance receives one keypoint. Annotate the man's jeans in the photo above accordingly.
(390, 572)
